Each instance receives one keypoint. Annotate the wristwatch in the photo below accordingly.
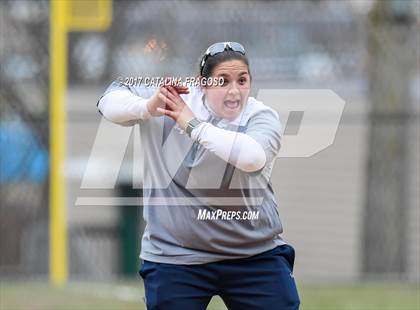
(192, 123)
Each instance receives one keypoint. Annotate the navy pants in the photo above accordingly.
(264, 281)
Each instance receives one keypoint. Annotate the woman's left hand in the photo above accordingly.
(175, 108)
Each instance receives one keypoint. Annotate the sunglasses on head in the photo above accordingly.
(218, 48)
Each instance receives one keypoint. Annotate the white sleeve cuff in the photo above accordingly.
(197, 131)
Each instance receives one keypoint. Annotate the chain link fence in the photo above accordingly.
(24, 137)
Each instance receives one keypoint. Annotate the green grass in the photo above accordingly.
(361, 297)
(127, 295)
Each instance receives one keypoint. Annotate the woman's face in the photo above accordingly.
(228, 100)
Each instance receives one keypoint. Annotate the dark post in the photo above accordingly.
(130, 232)
(390, 65)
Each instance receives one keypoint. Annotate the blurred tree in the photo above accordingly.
(390, 64)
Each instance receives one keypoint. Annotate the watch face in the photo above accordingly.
(191, 125)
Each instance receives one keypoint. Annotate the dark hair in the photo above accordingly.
(213, 61)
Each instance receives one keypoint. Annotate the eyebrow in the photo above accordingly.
(226, 75)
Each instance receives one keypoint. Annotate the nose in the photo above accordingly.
(234, 89)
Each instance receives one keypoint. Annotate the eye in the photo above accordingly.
(242, 81)
(225, 82)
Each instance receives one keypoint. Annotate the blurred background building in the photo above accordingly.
(352, 211)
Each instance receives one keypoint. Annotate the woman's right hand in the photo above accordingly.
(156, 102)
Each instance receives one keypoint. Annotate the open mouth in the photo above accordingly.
(230, 104)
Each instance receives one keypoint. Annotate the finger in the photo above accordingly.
(167, 100)
(159, 113)
(181, 92)
(172, 94)
(169, 113)
(165, 90)
(182, 89)
(176, 97)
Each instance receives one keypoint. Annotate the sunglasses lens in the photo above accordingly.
(237, 47)
(216, 48)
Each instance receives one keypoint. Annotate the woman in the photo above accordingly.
(212, 222)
